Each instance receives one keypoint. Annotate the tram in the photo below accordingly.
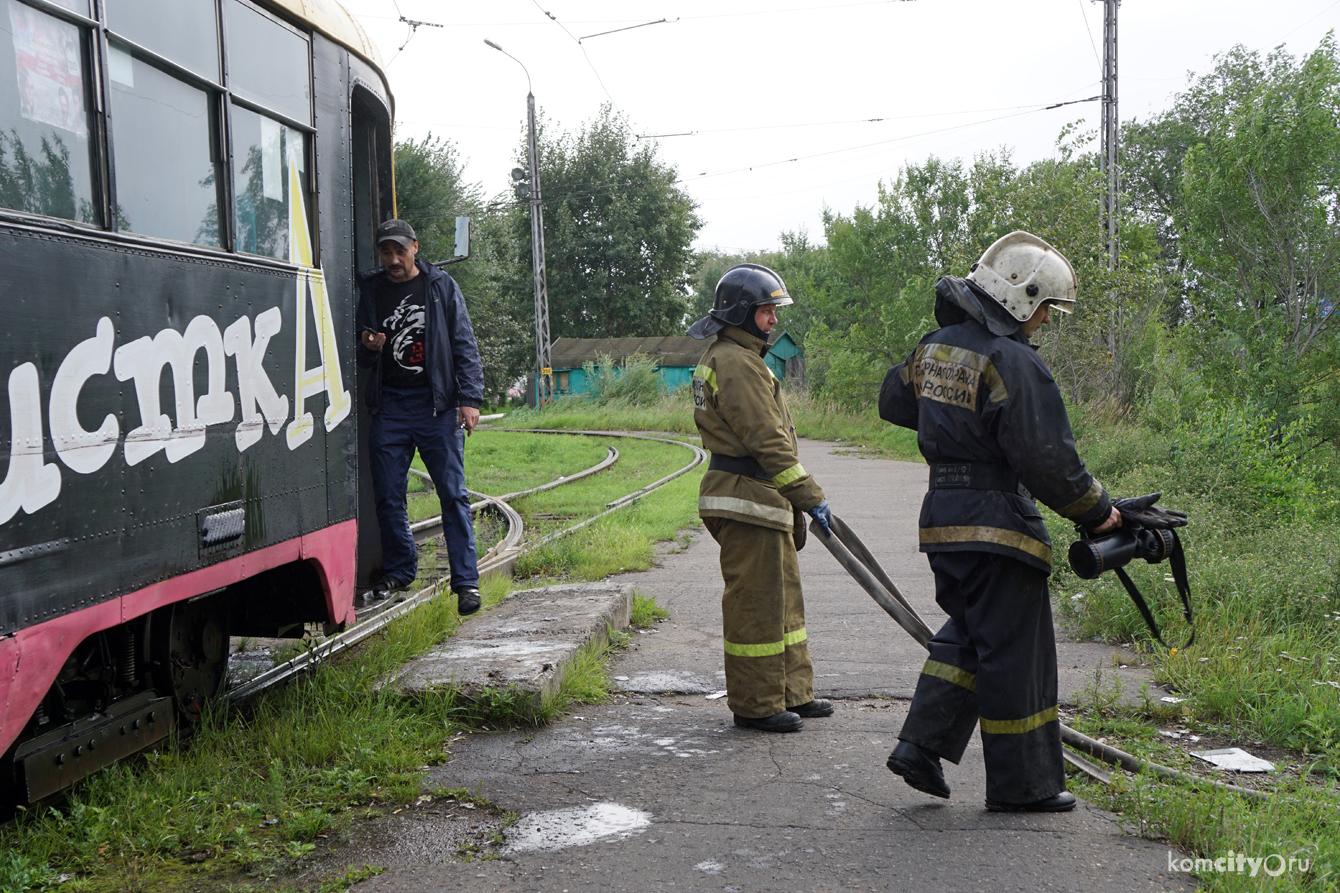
(187, 188)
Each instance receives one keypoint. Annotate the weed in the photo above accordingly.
(351, 877)
(646, 612)
(19, 872)
(1098, 696)
(497, 709)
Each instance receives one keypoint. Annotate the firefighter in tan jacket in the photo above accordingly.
(751, 501)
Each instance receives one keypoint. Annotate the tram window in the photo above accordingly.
(79, 6)
(264, 154)
(267, 63)
(185, 31)
(46, 164)
(165, 170)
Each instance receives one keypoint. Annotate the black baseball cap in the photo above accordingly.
(396, 231)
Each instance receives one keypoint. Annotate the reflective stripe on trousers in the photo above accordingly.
(992, 664)
(767, 655)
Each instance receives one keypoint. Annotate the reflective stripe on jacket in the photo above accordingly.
(974, 397)
(741, 411)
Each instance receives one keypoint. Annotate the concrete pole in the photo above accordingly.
(544, 373)
(1111, 122)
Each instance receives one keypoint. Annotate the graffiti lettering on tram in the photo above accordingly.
(31, 482)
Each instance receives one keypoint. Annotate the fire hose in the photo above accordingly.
(856, 559)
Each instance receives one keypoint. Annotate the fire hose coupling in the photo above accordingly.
(1149, 532)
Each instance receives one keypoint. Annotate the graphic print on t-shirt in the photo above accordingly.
(406, 324)
(400, 307)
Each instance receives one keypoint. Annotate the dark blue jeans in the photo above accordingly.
(404, 422)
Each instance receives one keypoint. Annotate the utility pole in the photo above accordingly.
(1110, 169)
(544, 371)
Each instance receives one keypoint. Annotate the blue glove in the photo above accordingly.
(822, 514)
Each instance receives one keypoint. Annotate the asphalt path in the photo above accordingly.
(658, 790)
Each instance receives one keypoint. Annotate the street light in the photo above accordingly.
(544, 372)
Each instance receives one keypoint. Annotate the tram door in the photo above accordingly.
(373, 203)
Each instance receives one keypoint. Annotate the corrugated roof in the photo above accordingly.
(677, 350)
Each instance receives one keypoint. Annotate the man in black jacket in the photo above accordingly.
(426, 389)
(990, 421)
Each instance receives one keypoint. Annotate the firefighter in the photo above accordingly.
(752, 500)
(991, 424)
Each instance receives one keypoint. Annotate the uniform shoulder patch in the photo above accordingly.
(947, 379)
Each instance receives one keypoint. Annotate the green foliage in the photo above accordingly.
(431, 193)
(646, 612)
(1242, 181)
(636, 382)
(617, 234)
(871, 293)
(1244, 460)
(19, 872)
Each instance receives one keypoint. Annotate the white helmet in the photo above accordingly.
(1021, 271)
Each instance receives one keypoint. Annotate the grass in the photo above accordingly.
(250, 795)
(673, 413)
(646, 613)
(1264, 567)
(1263, 553)
(254, 788)
(254, 791)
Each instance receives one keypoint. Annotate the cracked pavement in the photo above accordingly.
(658, 790)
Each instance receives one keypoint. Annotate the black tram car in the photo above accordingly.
(186, 190)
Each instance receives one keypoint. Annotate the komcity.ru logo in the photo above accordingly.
(1238, 863)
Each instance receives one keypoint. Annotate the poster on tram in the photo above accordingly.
(50, 69)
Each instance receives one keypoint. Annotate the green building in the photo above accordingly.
(675, 358)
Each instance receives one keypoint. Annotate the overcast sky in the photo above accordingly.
(772, 111)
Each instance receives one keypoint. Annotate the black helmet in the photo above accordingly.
(742, 288)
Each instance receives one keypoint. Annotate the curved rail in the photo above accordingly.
(699, 457)
(507, 549)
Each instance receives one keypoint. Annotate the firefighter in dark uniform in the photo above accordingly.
(751, 500)
(991, 424)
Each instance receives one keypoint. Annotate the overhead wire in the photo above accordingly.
(753, 167)
(1016, 111)
(1092, 43)
(580, 46)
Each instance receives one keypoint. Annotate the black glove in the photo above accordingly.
(1140, 511)
(822, 516)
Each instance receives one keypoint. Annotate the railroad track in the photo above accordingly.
(500, 557)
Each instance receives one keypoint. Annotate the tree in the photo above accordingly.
(1261, 193)
(431, 193)
(617, 229)
(873, 291)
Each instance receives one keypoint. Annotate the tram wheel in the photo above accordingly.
(188, 648)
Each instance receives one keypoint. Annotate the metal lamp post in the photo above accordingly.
(544, 373)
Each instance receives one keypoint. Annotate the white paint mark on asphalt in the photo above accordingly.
(711, 866)
(577, 826)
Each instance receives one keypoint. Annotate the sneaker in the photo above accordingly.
(919, 768)
(467, 600)
(386, 586)
(785, 721)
